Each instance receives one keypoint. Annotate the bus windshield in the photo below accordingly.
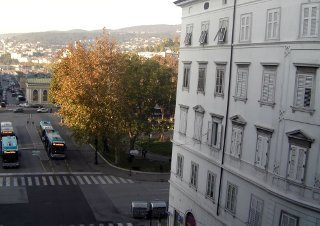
(57, 148)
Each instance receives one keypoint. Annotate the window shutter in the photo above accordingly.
(209, 134)
(239, 143)
(242, 33)
(300, 90)
(258, 150)
(301, 164)
(252, 211)
(305, 21)
(265, 156)
(258, 212)
(313, 29)
(292, 162)
(219, 133)
(247, 28)
(275, 25)
(233, 142)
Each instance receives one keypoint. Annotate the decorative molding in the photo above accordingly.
(287, 50)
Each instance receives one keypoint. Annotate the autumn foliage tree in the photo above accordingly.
(108, 95)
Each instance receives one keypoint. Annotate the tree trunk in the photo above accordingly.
(105, 144)
(132, 142)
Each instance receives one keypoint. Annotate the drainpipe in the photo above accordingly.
(228, 105)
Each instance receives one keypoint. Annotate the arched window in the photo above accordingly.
(45, 95)
(35, 96)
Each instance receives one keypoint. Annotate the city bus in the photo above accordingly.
(55, 145)
(9, 149)
(6, 129)
(45, 128)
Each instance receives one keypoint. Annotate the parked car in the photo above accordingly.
(18, 110)
(42, 110)
(36, 106)
(25, 105)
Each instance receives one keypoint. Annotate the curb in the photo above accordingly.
(128, 170)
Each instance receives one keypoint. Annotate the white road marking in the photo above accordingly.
(7, 181)
(115, 179)
(15, 181)
(73, 180)
(130, 181)
(44, 181)
(37, 181)
(87, 179)
(23, 181)
(101, 180)
(108, 179)
(122, 180)
(80, 180)
(59, 180)
(29, 181)
(94, 180)
(51, 180)
(66, 180)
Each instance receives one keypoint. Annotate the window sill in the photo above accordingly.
(271, 104)
(182, 134)
(219, 95)
(244, 99)
(296, 183)
(210, 198)
(302, 109)
(233, 213)
(185, 89)
(200, 92)
(214, 148)
(193, 187)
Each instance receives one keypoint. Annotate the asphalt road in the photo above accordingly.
(65, 192)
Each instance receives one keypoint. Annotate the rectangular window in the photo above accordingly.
(198, 126)
(220, 74)
(245, 27)
(222, 32)
(202, 77)
(236, 141)
(204, 33)
(211, 180)
(273, 24)
(194, 175)
(224, 2)
(183, 120)
(287, 219)
(231, 198)
(186, 76)
(242, 82)
(310, 20)
(180, 166)
(214, 132)
(188, 38)
(297, 163)
(255, 211)
(305, 81)
(268, 85)
(262, 150)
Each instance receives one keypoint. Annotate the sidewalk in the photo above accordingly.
(107, 168)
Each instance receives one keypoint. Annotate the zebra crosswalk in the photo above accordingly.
(60, 180)
(103, 224)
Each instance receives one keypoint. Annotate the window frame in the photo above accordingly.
(217, 119)
(179, 169)
(197, 128)
(194, 175)
(45, 95)
(243, 28)
(203, 39)
(242, 68)
(277, 36)
(270, 70)
(305, 71)
(222, 31)
(186, 77)
(298, 165)
(289, 215)
(266, 133)
(183, 128)
(220, 68)
(232, 208)
(211, 185)
(202, 81)
(188, 37)
(254, 211)
(308, 35)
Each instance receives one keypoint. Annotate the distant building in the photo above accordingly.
(246, 143)
(37, 90)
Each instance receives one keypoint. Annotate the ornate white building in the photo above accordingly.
(246, 145)
(37, 90)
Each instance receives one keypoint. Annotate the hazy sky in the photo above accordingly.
(46, 15)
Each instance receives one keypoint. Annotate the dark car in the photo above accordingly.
(18, 110)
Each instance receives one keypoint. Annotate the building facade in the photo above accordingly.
(37, 90)
(246, 144)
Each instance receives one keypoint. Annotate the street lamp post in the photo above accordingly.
(96, 151)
